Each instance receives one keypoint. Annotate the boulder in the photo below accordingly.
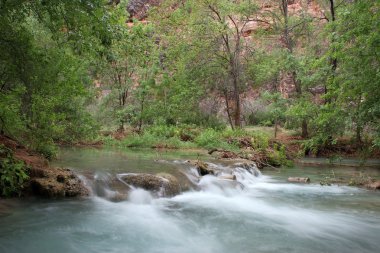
(58, 183)
(164, 185)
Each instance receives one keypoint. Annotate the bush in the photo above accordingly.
(163, 131)
(47, 150)
(261, 117)
(209, 121)
(13, 173)
(210, 139)
(278, 156)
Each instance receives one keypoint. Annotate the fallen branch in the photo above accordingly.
(299, 179)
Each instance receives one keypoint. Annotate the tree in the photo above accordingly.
(40, 68)
(277, 108)
(357, 46)
(128, 64)
(215, 32)
(292, 28)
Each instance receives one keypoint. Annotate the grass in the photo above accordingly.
(241, 142)
(188, 137)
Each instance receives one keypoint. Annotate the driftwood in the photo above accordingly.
(299, 179)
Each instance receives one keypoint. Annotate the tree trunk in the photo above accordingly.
(275, 128)
(304, 133)
(237, 115)
(141, 115)
(236, 75)
(228, 110)
(359, 130)
(359, 126)
(333, 60)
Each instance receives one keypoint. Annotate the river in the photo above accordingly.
(263, 214)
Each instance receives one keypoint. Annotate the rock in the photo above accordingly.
(61, 178)
(138, 8)
(44, 180)
(163, 184)
(203, 169)
(374, 185)
(299, 179)
(65, 184)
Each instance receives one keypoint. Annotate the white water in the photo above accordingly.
(255, 214)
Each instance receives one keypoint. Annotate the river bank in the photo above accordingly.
(45, 180)
(26, 173)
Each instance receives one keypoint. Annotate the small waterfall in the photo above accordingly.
(140, 196)
(144, 187)
(106, 185)
(225, 178)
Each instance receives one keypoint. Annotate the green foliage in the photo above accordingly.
(265, 67)
(160, 75)
(260, 140)
(302, 110)
(210, 139)
(13, 173)
(277, 157)
(46, 48)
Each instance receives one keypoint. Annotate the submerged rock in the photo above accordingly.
(163, 184)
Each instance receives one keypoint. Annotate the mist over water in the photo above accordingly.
(255, 214)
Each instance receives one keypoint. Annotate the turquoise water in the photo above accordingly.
(266, 215)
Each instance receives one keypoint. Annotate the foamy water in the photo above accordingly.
(255, 213)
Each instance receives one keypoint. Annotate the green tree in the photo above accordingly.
(214, 34)
(45, 50)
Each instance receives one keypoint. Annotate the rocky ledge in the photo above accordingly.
(44, 180)
(55, 183)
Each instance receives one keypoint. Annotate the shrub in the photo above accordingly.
(210, 139)
(13, 173)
